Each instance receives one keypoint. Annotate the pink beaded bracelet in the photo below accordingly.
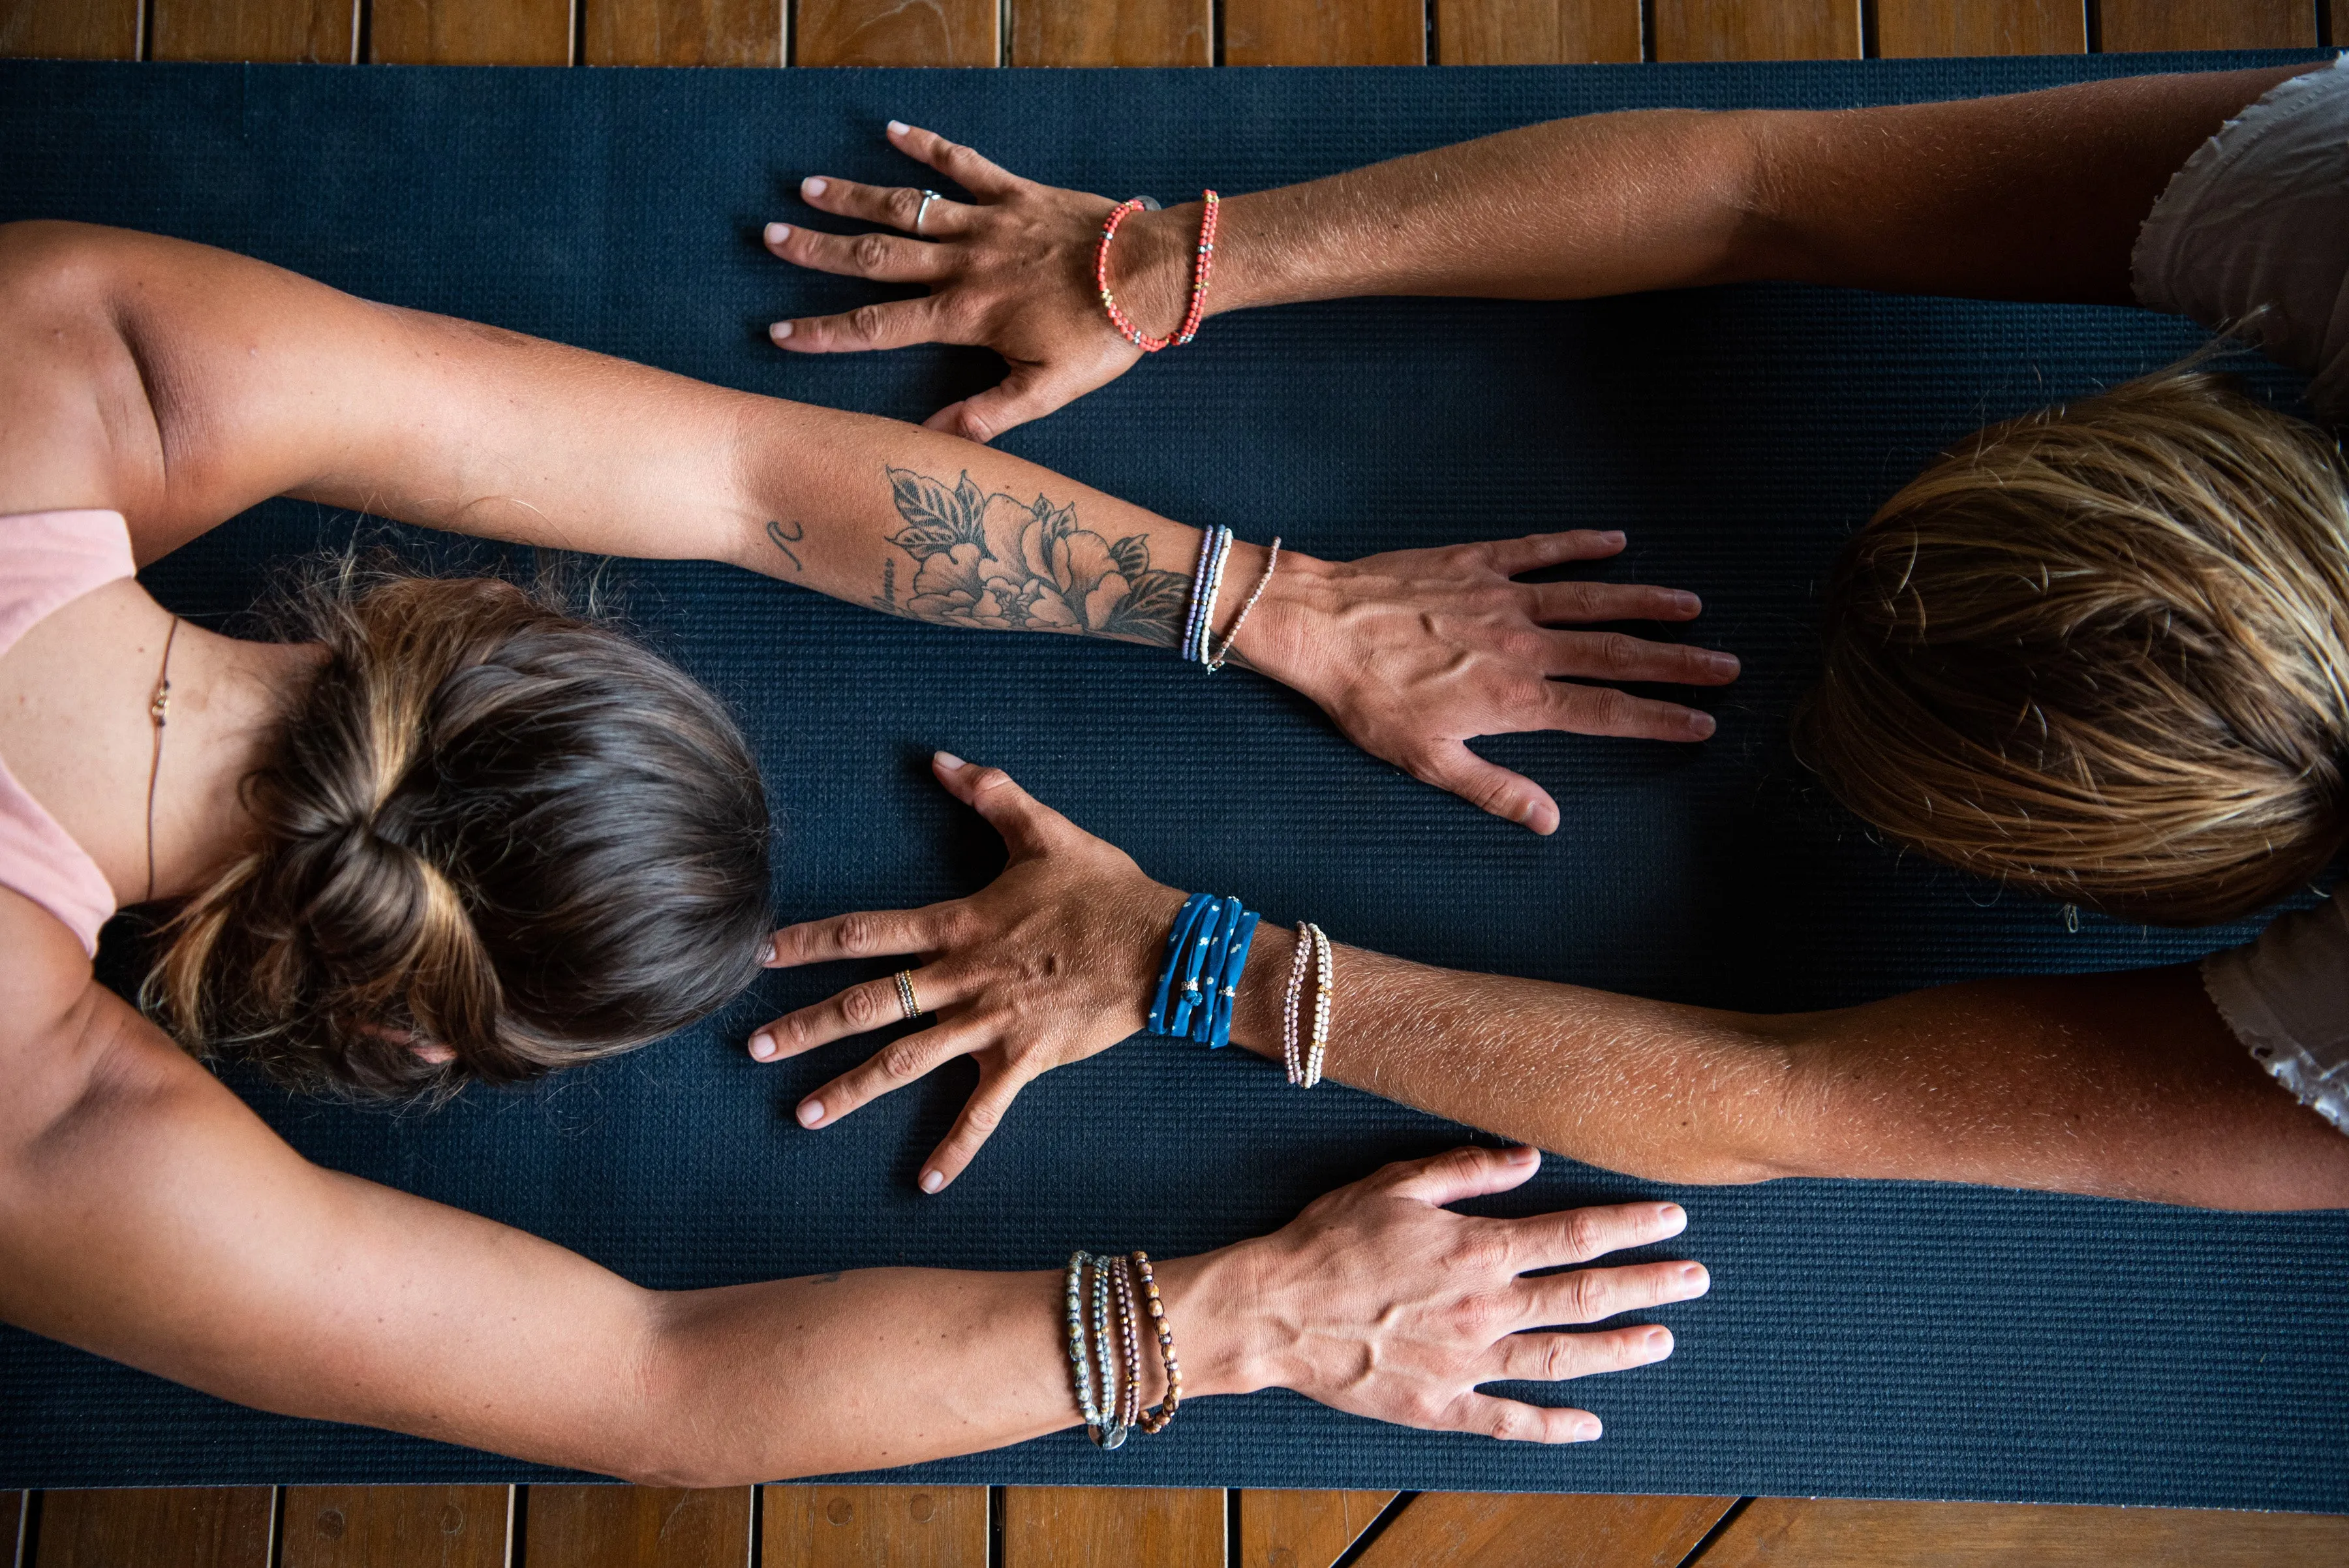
(1203, 265)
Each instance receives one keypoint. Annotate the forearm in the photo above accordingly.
(2032, 197)
(1654, 1089)
(880, 1367)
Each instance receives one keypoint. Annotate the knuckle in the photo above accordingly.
(799, 1030)
(1554, 1363)
(904, 204)
(1507, 1423)
(900, 1060)
(1618, 653)
(985, 1119)
(871, 251)
(867, 322)
(861, 1005)
(1582, 1236)
(1586, 1295)
(859, 934)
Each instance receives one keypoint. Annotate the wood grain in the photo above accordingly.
(1132, 1527)
(850, 1526)
(1303, 1528)
(1912, 28)
(684, 32)
(1325, 32)
(395, 1527)
(634, 1527)
(1757, 29)
(898, 33)
(1537, 32)
(69, 29)
(2129, 26)
(1113, 32)
(1480, 1529)
(156, 1527)
(470, 32)
(1824, 1532)
(305, 32)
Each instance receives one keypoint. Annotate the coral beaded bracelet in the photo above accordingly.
(1200, 267)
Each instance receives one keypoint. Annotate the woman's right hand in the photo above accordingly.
(1379, 1301)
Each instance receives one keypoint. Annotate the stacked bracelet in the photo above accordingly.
(1123, 1289)
(1200, 980)
(1203, 266)
(1303, 1054)
(1207, 581)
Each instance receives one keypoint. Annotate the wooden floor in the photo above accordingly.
(1048, 1527)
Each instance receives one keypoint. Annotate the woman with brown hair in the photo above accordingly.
(446, 831)
(2101, 652)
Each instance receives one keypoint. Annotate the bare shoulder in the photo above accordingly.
(80, 432)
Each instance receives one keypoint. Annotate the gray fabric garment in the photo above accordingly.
(2286, 996)
(2252, 236)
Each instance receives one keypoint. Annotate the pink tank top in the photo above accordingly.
(48, 559)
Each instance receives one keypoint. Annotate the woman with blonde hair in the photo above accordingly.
(2100, 652)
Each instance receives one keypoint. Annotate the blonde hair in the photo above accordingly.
(487, 826)
(2103, 652)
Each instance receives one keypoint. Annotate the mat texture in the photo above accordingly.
(1860, 1339)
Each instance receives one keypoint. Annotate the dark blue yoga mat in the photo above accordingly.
(1862, 1339)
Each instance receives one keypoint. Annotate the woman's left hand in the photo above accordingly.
(1049, 963)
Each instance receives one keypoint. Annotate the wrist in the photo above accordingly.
(1150, 268)
(1286, 636)
(1224, 1345)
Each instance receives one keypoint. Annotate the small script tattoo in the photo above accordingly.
(986, 559)
(784, 541)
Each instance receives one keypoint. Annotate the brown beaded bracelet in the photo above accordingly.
(1128, 1319)
(1158, 1420)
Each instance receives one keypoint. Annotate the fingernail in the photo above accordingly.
(898, 128)
(1613, 535)
(1687, 604)
(778, 233)
(762, 1045)
(1659, 1343)
(1672, 1214)
(810, 1112)
(771, 953)
(948, 761)
(780, 330)
(933, 1179)
(1586, 1429)
(1524, 1155)
(1701, 726)
(813, 185)
(1696, 1276)
(1721, 663)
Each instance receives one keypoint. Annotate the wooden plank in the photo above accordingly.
(1757, 29)
(470, 33)
(1113, 32)
(685, 32)
(634, 1527)
(1913, 29)
(1325, 32)
(1303, 1528)
(15, 1506)
(1480, 1529)
(69, 29)
(305, 32)
(1537, 32)
(2129, 26)
(1825, 1532)
(396, 1527)
(148, 1527)
(850, 1526)
(898, 33)
(1134, 1527)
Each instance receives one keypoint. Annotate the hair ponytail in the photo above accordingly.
(487, 827)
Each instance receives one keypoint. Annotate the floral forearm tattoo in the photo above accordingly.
(985, 559)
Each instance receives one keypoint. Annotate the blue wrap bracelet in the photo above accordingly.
(1199, 982)
(1184, 921)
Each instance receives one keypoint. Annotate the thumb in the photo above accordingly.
(1488, 786)
(1470, 1172)
(1029, 392)
(1026, 823)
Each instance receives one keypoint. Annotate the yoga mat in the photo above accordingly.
(1861, 1338)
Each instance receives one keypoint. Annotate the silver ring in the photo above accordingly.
(923, 211)
(906, 1000)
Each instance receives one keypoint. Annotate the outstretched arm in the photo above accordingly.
(2029, 196)
(147, 1215)
(179, 385)
(2126, 1085)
